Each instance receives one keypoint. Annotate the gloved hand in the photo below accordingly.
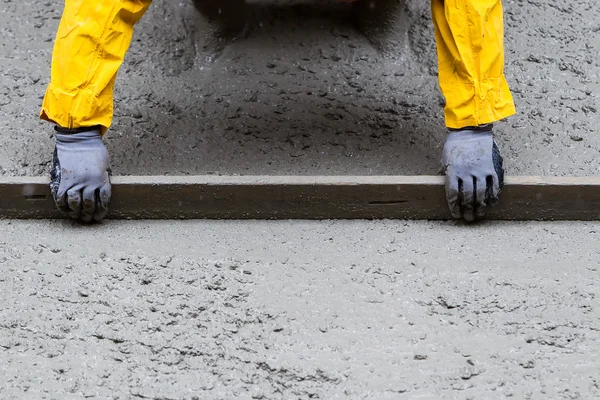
(80, 180)
(474, 175)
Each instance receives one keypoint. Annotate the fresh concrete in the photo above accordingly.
(281, 310)
(222, 310)
(302, 92)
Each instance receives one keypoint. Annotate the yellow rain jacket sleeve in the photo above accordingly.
(92, 39)
(470, 47)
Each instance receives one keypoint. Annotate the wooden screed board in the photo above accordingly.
(308, 197)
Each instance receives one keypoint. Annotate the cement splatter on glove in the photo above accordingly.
(474, 175)
(80, 180)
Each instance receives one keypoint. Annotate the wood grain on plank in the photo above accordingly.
(309, 197)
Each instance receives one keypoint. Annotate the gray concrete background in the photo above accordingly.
(299, 310)
(302, 92)
(286, 310)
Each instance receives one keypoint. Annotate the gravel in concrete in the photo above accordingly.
(302, 92)
(280, 310)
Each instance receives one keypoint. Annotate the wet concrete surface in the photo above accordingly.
(281, 310)
(301, 91)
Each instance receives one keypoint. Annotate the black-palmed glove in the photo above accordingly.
(80, 181)
(474, 173)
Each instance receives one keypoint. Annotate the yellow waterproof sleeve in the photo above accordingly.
(92, 39)
(470, 46)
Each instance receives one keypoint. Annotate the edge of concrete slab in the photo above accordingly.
(308, 197)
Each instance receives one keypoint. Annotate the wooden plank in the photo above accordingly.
(309, 197)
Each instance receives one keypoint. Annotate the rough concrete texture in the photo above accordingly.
(302, 92)
(299, 310)
(280, 310)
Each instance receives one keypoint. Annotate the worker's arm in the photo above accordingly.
(91, 43)
(470, 47)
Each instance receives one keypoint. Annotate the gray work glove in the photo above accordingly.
(80, 180)
(474, 175)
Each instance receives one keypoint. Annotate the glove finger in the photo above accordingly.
(74, 199)
(468, 199)
(103, 196)
(59, 196)
(452, 195)
(480, 197)
(88, 204)
(61, 201)
(492, 190)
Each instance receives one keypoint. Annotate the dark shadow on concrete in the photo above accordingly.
(301, 92)
(383, 22)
